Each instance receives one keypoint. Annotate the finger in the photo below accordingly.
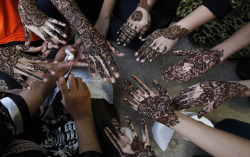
(115, 51)
(131, 127)
(100, 69)
(20, 80)
(130, 37)
(124, 35)
(151, 55)
(63, 86)
(162, 91)
(81, 64)
(29, 74)
(142, 48)
(91, 65)
(144, 55)
(121, 133)
(142, 85)
(132, 87)
(48, 39)
(79, 83)
(112, 66)
(53, 34)
(143, 31)
(37, 68)
(28, 34)
(72, 83)
(78, 43)
(106, 64)
(145, 135)
(55, 21)
(193, 88)
(131, 94)
(114, 140)
(184, 52)
(129, 103)
(121, 28)
(57, 29)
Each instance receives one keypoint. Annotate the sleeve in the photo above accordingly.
(219, 8)
(90, 154)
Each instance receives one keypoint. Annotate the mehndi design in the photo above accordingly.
(150, 50)
(199, 62)
(138, 22)
(14, 62)
(96, 48)
(158, 107)
(210, 94)
(134, 148)
(36, 21)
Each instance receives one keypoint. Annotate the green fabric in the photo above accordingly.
(216, 31)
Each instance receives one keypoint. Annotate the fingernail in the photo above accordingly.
(29, 88)
(117, 75)
(45, 80)
(124, 44)
(118, 43)
(137, 59)
(118, 39)
(136, 54)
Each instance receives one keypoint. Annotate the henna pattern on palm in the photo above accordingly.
(14, 62)
(199, 62)
(42, 25)
(210, 94)
(97, 49)
(150, 50)
(158, 107)
(134, 148)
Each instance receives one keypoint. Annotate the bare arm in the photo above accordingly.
(214, 141)
(234, 43)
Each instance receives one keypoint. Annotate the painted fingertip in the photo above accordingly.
(45, 80)
(136, 53)
(65, 35)
(118, 43)
(113, 80)
(29, 88)
(117, 75)
(143, 60)
(162, 77)
(105, 79)
(118, 39)
(124, 44)
(53, 72)
(55, 62)
(150, 60)
(137, 59)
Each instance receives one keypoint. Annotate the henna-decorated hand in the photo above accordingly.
(37, 22)
(158, 107)
(134, 148)
(98, 50)
(210, 94)
(14, 62)
(198, 63)
(138, 22)
(159, 43)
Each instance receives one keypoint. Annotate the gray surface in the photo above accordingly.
(236, 108)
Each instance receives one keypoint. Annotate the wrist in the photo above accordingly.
(144, 4)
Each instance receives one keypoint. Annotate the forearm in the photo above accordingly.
(198, 17)
(72, 13)
(38, 93)
(87, 136)
(146, 4)
(107, 9)
(214, 141)
(234, 43)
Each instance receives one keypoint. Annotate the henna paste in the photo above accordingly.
(137, 16)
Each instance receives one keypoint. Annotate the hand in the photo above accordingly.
(135, 147)
(198, 63)
(76, 99)
(208, 93)
(158, 107)
(37, 22)
(98, 50)
(17, 64)
(138, 22)
(159, 43)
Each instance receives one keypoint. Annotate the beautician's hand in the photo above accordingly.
(134, 148)
(37, 22)
(158, 107)
(137, 24)
(17, 64)
(197, 63)
(210, 94)
(76, 99)
(159, 43)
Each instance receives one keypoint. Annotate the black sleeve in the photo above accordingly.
(90, 154)
(23, 108)
(219, 8)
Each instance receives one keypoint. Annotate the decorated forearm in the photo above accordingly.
(70, 10)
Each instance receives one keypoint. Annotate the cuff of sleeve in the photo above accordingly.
(18, 110)
(219, 8)
(90, 154)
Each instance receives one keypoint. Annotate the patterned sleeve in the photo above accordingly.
(7, 128)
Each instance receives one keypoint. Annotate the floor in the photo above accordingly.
(178, 147)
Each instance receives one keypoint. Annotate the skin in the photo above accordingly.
(96, 48)
(130, 148)
(158, 44)
(77, 102)
(137, 24)
(210, 94)
(37, 22)
(187, 69)
(103, 21)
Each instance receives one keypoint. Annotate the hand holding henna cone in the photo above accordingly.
(210, 94)
(125, 146)
(158, 107)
